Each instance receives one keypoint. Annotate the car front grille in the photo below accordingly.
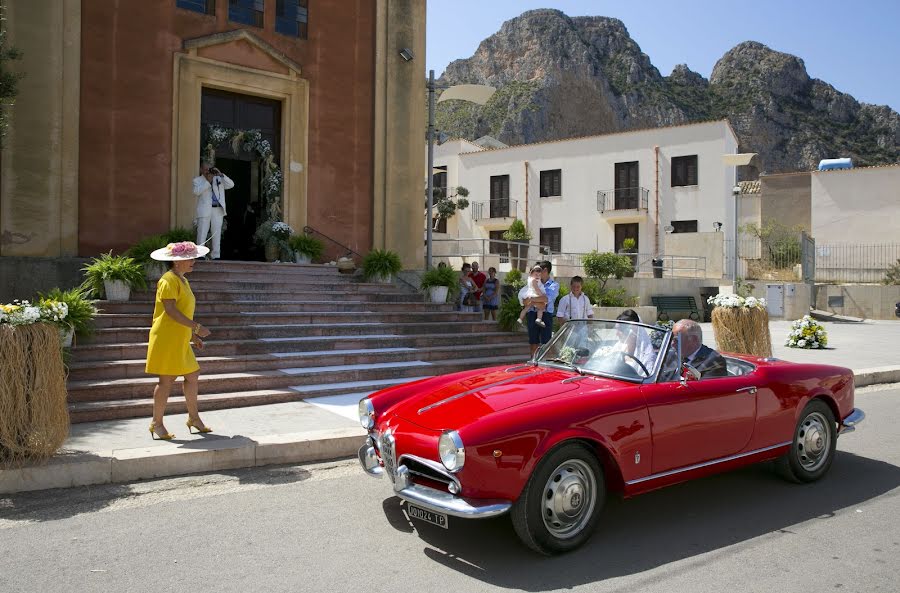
(389, 455)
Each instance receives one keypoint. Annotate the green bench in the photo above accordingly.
(675, 304)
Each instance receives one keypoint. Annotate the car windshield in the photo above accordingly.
(619, 349)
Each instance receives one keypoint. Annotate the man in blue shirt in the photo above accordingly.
(538, 335)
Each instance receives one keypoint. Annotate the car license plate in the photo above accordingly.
(421, 514)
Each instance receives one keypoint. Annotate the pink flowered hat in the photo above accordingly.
(179, 251)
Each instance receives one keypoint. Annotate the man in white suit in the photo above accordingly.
(210, 188)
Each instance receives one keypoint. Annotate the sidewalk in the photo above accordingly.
(326, 427)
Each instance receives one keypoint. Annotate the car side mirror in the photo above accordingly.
(689, 373)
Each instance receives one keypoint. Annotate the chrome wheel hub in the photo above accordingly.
(813, 442)
(569, 498)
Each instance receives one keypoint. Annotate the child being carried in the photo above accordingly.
(533, 295)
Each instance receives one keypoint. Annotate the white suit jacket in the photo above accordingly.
(204, 191)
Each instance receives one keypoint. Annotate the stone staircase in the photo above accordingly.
(283, 332)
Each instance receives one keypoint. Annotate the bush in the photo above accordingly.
(508, 315)
(441, 276)
(179, 235)
(517, 232)
(380, 263)
(307, 245)
(140, 251)
(514, 279)
(112, 267)
(892, 274)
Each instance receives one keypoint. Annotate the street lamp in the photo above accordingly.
(741, 159)
(474, 93)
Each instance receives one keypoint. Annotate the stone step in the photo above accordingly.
(241, 296)
(236, 382)
(138, 350)
(120, 320)
(279, 284)
(281, 269)
(134, 368)
(337, 304)
(127, 335)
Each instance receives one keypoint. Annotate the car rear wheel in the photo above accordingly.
(813, 446)
(560, 505)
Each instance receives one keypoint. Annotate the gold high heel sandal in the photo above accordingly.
(200, 429)
(164, 437)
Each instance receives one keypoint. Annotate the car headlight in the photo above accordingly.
(451, 451)
(366, 413)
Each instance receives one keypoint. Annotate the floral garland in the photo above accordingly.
(807, 333)
(251, 141)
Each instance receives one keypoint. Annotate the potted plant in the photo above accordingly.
(629, 245)
(306, 248)
(273, 236)
(381, 265)
(141, 251)
(79, 312)
(440, 282)
(517, 232)
(113, 275)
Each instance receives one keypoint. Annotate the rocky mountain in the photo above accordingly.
(559, 76)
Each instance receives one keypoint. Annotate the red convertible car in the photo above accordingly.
(604, 407)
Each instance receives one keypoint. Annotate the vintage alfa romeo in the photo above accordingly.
(604, 407)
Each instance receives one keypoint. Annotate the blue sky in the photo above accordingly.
(855, 46)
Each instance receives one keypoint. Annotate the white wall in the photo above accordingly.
(856, 205)
(587, 166)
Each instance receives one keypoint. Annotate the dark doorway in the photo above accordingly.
(245, 208)
(243, 218)
(627, 186)
(628, 231)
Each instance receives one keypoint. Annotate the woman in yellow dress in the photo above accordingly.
(174, 330)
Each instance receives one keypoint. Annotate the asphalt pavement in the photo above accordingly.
(327, 527)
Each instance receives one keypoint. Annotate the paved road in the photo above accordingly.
(328, 528)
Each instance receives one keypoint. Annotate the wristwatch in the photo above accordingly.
(196, 329)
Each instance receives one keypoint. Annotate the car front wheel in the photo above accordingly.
(813, 446)
(560, 505)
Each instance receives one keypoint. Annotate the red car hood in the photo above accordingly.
(460, 401)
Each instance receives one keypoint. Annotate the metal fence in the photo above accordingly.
(506, 255)
(827, 263)
(495, 209)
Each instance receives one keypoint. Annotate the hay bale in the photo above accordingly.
(742, 330)
(34, 419)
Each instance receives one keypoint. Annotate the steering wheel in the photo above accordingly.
(634, 358)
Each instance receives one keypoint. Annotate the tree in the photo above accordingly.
(9, 81)
(780, 242)
(603, 266)
(446, 201)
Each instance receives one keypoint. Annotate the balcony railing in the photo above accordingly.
(623, 198)
(494, 209)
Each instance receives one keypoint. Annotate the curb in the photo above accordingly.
(214, 454)
(875, 376)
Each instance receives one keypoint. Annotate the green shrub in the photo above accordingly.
(508, 315)
(441, 276)
(307, 245)
(112, 267)
(892, 274)
(81, 309)
(140, 251)
(517, 232)
(514, 279)
(380, 263)
(179, 235)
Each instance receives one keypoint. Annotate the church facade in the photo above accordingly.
(119, 96)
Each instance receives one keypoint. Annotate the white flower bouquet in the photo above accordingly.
(733, 301)
(807, 333)
(25, 313)
(282, 230)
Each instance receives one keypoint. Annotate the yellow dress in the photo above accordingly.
(169, 352)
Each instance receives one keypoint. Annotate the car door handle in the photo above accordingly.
(751, 390)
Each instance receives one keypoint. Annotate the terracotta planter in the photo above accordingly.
(116, 290)
(272, 251)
